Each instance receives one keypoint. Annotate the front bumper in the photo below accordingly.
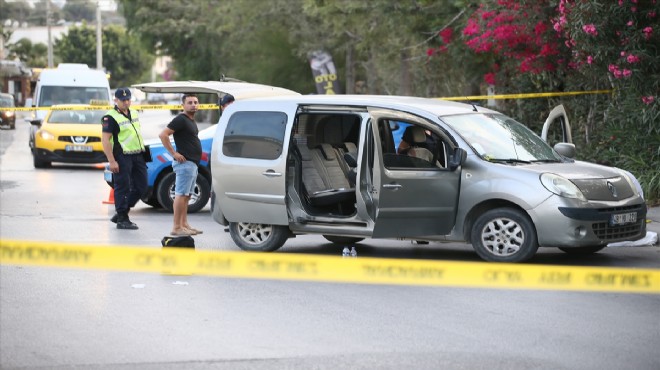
(70, 157)
(568, 225)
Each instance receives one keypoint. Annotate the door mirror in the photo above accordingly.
(565, 149)
(457, 159)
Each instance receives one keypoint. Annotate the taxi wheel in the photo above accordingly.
(38, 163)
(342, 239)
(504, 235)
(198, 199)
(258, 237)
(583, 251)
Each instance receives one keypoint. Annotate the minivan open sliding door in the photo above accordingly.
(413, 199)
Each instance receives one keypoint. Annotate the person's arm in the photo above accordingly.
(165, 139)
(403, 148)
(107, 150)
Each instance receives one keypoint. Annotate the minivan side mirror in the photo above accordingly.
(35, 122)
(457, 159)
(565, 149)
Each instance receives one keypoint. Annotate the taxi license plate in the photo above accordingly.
(623, 218)
(78, 148)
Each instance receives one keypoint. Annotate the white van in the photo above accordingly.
(69, 83)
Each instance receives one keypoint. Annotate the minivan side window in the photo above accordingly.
(410, 146)
(258, 135)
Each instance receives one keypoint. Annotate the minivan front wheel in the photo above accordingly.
(258, 237)
(504, 235)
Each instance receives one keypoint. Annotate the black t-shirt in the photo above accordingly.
(185, 137)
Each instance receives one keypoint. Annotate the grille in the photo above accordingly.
(604, 231)
(91, 139)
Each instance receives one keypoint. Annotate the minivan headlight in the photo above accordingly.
(561, 186)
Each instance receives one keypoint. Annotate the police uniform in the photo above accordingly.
(130, 183)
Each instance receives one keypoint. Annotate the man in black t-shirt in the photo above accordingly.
(187, 155)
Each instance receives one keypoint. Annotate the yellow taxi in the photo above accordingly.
(67, 135)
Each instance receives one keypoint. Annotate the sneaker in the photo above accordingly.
(126, 225)
(114, 218)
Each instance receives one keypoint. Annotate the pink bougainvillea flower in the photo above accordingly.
(446, 35)
(630, 23)
(590, 29)
(627, 73)
(590, 59)
(648, 99)
(623, 53)
(647, 32)
(489, 78)
(651, 14)
(632, 58)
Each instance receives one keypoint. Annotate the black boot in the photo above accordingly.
(124, 223)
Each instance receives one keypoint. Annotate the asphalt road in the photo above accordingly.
(58, 318)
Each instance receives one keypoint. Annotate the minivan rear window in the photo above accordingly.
(258, 135)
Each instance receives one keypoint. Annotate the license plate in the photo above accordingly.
(78, 148)
(623, 218)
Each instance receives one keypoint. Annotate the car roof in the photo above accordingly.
(240, 90)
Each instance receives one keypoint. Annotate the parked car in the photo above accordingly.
(327, 165)
(67, 136)
(160, 177)
(7, 117)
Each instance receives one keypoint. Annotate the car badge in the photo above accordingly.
(612, 189)
(79, 139)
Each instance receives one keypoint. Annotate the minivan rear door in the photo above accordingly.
(410, 201)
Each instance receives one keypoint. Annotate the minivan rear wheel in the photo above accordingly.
(504, 235)
(258, 237)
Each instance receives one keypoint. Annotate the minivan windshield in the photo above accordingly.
(51, 95)
(496, 137)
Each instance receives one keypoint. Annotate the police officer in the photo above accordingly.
(123, 145)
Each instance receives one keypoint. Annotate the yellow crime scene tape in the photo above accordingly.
(363, 270)
(527, 95)
(108, 107)
(215, 106)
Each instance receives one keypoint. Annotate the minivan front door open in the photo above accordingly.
(411, 202)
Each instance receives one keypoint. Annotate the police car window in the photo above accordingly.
(258, 135)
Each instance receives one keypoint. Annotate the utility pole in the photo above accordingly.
(50, 40)
(99, 39)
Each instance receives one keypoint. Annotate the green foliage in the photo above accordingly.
(79, 10)
(38, 14)
(34, 55)
(14, 10)
(123, 56)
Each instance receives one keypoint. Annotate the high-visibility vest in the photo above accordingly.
(129, 135)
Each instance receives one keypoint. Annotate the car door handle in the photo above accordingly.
(392, 186)
(271, 173)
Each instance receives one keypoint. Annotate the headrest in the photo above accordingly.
(418, 134)
(350, 147)
(328, 152)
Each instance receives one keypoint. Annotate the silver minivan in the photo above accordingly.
(351, 167)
